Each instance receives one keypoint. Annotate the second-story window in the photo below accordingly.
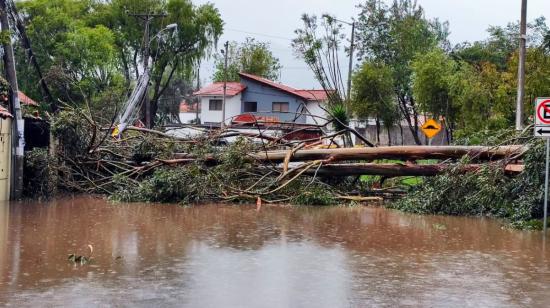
(215, 105)
(280, 107)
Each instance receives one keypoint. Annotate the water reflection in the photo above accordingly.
(213, 256)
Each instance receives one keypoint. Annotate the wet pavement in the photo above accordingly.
(234, 256)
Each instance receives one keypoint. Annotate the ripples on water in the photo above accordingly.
(225, 256)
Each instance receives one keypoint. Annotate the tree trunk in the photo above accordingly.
(377, 131)
(413, 125)
(396, 170)
(408, 153)
(26, 43)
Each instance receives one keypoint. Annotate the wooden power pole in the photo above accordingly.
(225, 52)
(147, 18)
(18, 128)
(521, 67)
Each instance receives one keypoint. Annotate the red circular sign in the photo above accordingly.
(542, 109)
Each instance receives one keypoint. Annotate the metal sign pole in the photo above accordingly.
(545, 223)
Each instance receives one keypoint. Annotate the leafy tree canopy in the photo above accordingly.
(250, 57)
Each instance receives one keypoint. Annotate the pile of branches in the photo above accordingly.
(152, 166)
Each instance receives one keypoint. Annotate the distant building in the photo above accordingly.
(25, 100)
(262, 98)
(189, 112)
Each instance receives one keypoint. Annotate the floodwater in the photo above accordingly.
(229, 256)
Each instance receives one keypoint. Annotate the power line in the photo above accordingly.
(262, 34)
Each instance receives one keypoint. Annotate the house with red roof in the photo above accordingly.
(259, 98)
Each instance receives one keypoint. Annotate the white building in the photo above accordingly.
(259, 99)
(189, 113)
(211, 100)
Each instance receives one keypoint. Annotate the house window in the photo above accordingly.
(215, 105)
(280, 107)
(250, 106)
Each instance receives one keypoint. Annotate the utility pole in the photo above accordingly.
(351, 50)
(18, 127)
(521, 68)
(224, 83)
(198, 102)
(147, 18)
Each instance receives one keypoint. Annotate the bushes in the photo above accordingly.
(165, 185)
(488, 192)
(233, 178)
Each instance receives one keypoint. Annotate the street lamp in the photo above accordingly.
(168, 27)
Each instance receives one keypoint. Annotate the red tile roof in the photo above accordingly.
(25, 100)
(310, 95)
(314, 95)
(234, 88)
(4, 113)
(216, 89)
(270, 83)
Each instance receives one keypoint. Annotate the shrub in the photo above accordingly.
(39, 178)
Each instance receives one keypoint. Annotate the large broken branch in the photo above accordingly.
(398, 170)
(408, 153)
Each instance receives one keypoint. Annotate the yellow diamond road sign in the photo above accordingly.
(431, 128)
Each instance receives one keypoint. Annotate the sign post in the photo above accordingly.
(431, 128)
(542, 130)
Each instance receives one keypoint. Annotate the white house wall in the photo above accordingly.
(315, 110)
(232, 109)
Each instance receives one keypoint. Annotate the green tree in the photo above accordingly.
(77, 58)
(373, 95)
(198, 30)
(394, 35)
(319, 43)
(89, 49)
(432, 77)
(250, 57)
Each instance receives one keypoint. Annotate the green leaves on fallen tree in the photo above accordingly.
(488, 192)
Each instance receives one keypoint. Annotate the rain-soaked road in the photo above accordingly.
(228, 256)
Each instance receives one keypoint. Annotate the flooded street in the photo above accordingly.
(229, 256)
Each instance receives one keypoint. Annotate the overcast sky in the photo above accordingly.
(274, 21)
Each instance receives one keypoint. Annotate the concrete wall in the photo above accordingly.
(266, 95)
(314, 109)
(5, 158)
(188, 117)
(398, 136)
(232, 109)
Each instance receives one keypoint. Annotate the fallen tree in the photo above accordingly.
(407, 153)
(155, 166)
(400, 170)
